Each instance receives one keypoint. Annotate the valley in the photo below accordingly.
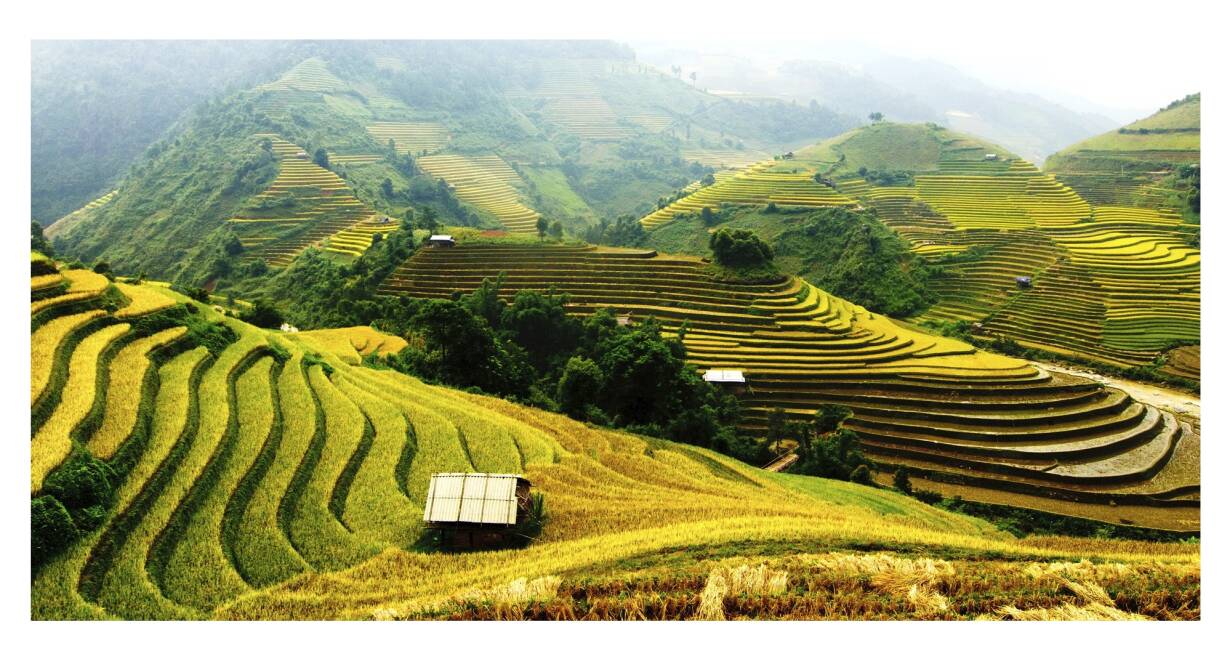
(742, 357)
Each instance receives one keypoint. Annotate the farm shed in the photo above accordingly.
(476, 510)
(441, 240)
(727, 379)
(992, 156)
(1024, 282)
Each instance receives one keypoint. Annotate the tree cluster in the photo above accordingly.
(597, 370)
(739, 248)
(826, 448)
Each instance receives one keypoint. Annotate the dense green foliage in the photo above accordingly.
(74, 501)
(739, 248)
(38, 242)
(532, 351)
(854, 256)
(213, 336)
(825, 448)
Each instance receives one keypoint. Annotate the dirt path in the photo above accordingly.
(782, 462)
(1172, 400)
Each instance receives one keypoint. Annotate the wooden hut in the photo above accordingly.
(476, 510)
(441, 240)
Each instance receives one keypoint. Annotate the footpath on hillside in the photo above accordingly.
(1178, 402)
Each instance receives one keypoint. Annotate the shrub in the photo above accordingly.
(51, 529)
(861, 475)
(84, 485)
(38, 268)
(901, 481)
(739, 248)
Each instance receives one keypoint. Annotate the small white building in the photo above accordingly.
(992, 156)
(441, 240)
(720, 376)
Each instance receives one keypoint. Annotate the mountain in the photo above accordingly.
(485, 134)
(96, 105)
(860, 82)
(1105, 282)
(1146, 163)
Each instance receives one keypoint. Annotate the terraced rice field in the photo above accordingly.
(574, 104)
(724, 158)
(310, 75)
(1112, 283)
(72, 218)
(323, 206)
(1184, 362)
(933, 405)
(653, 122)
(302, 84)
(487, 183)
(756, 185)
(415, 138)
(356, 239)
(356, 159)
(1017, 197)
(262, 486)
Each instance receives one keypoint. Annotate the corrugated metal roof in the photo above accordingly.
(444, 236)
(719, 375)
(472, 498)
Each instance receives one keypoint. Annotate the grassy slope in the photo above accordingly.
(612, 498)
(888, 146)
(1184, 115)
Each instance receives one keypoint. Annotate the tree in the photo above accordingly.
(233, 247)
(830, 417)
(708, 180)
(102, 267)
(321, 157)
(776, 425)
(876, 117)
(429, 220)
(485, 301)
(556, 230)
(579, 387)
(541, 325)
(901, 481)
(38, 242)
(263, 314)
(386, 188)
(706, 216)
(739, 248)
(542, 226)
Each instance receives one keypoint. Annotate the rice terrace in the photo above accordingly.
(580, 330)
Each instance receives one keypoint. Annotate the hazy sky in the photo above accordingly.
(1127, 56)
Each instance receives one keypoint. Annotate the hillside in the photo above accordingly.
(1135, 165)
(97, 105)
(1003, 430)
(1116, 284)
(493, 137)
(177, 441)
